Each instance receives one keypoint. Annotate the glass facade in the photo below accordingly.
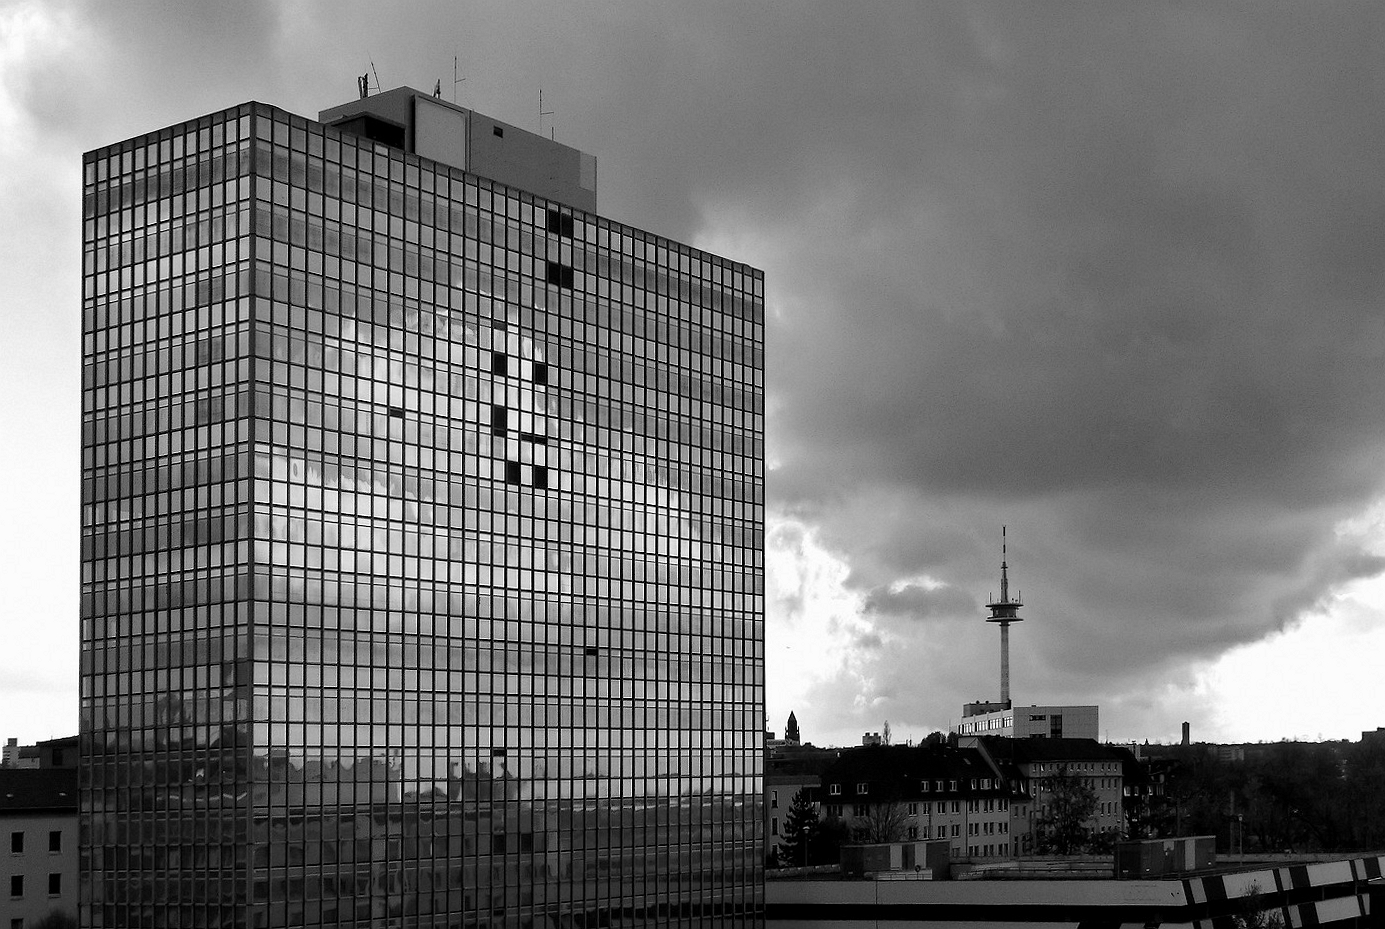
(422, 547)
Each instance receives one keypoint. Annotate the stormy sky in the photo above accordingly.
(1107, 274)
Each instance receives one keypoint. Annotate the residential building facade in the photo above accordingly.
(422, 537)
(38, 826)
(1039, 763)
(901, 793)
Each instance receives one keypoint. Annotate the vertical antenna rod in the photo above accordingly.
(543, 113)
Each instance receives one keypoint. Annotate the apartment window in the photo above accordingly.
(956, 830)
(913, 809)
(952, 785)
(774, 799)
(860, 809)
(835, 789)
(942, 832)
(55, 885)
(17, 843)
(17, 922)
(774, 826)
(17, 885)
(923, 787)
(863, 788)
(55, 840)
(913, 832)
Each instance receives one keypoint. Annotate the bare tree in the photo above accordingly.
(1254, 914)
(1071, 803)
(885, 822)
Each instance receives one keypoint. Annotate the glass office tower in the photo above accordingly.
(422, 533)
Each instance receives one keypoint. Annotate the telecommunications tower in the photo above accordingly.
(1005, 611)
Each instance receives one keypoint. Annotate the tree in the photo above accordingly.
(1071, 803)
(826, 847)
(800, 827)
(1253, 914)
(884, 823)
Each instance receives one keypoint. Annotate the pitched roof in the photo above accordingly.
(35, 789)
(1022, 751)
(898, 770)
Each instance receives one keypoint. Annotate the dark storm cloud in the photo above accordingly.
(1112, 275)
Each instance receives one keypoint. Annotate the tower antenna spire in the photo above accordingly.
(1005, 611)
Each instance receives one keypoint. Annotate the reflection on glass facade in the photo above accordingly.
(422, 527)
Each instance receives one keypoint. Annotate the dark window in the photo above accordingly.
(541, 477)
(17, 885)
(57, 752)
(591, 651)
(559, 274)
(559, 223)
(500, 363)
(540, 372)
(498, 131)
(512, 473)
(55, 884)
(397, 412)
(17, 842)
(499, 419)
(55, 840)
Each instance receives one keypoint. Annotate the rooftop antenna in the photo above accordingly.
(378, 85)
(1004, 611)
(455, 79)
(552, 130)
